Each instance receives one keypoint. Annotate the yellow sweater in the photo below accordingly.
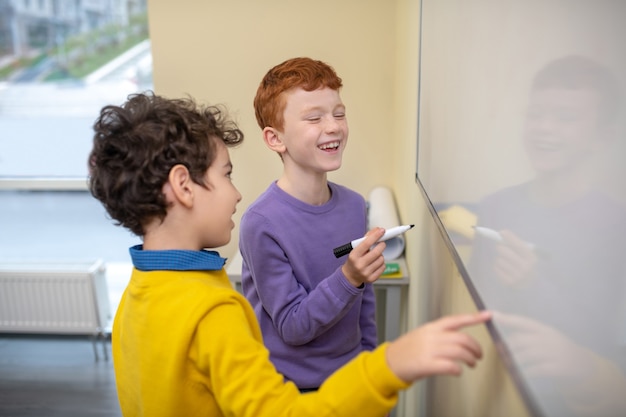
(187, 344)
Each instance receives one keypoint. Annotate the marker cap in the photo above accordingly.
(342, 250)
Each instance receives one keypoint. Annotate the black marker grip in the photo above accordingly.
(342, 250)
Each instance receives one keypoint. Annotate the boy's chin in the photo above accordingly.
(333, 167)
(219, 243)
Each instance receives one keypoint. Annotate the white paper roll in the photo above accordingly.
(384, 213)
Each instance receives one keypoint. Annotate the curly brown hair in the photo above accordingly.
(305, 73)
(136, 144)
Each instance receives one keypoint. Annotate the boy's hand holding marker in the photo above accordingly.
(365, 263)
(388, 234)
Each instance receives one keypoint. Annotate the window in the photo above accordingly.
(60, 63)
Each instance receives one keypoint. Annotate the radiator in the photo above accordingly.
(58, 298)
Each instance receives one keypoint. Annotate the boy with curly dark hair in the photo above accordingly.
(185, 343)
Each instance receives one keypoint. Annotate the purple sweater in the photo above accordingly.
(312, 319)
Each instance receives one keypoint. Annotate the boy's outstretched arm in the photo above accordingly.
(366, 263)
(436, 348)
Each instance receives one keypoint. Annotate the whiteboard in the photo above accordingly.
(521, 130)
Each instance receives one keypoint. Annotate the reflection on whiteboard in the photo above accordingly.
(522, 131)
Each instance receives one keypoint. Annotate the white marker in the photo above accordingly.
(389, 234)
(497, 237)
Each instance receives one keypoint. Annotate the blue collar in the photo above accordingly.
(175, 260)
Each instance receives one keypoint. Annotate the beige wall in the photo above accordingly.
(219, 51)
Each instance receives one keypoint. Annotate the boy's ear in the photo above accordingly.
(272, 140)
(179, 186)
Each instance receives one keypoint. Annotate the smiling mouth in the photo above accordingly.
(330, 146)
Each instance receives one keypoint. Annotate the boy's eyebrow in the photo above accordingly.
(313, 108)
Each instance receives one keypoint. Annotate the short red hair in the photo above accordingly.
(305, 73)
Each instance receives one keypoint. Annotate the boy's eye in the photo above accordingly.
(340, 115)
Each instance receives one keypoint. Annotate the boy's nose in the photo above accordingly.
(332, 124)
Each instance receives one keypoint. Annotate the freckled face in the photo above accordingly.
(315, 130)
(218, 202)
